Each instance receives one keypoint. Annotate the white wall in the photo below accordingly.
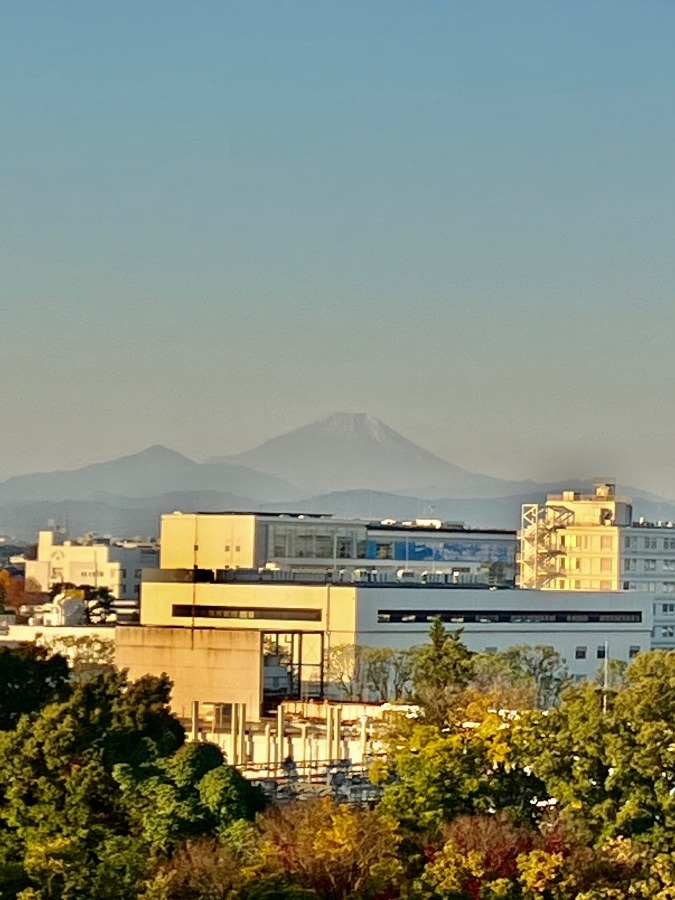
(565, 637)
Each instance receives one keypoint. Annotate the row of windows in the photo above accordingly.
(574, 563)
(460, 617)
(186, 611)
(316, 542)
(593, 585)
(649, 543)
(581, 652)
(664, 587)
(648, 565)
(587, 541)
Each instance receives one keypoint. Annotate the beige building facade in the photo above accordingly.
(573, 541)
(114, 565)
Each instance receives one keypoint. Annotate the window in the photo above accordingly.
(650, 543)
(138, 573)
(237, 548)
(227, 548)
(461, 616)
(669, 543)
(580, 653)
(630, 543)
(600, 652)
(668, 631)
(650, 565)
(605, 585)
(606, 564)
(187, 611)
(668, 608)
(633, 651)
(669, 565)
(630, 565)
(324, 546)
(344, 548)
(384, 551)
(606, 542)
(123, 573)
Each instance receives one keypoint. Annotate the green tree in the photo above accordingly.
(435, 775)
(61, 810)
(30, 678)
(441, 670)
(641, 751)
(612, 771)
(187, 794)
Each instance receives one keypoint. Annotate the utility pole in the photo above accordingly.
(605, 679)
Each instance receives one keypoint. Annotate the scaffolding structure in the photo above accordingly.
(540, 544)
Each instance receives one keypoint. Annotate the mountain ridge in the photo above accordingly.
(349, 451)
(348, 464)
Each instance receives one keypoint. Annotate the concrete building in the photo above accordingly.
(256, 634)
(578, 542)
(93, 562)
(423, 550)
(193, 628)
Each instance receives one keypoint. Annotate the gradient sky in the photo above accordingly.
(220, 221)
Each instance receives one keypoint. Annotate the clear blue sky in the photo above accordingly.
(219, 221)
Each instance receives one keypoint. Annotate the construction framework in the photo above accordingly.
(540, 544)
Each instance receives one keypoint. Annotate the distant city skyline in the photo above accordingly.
(223, 222)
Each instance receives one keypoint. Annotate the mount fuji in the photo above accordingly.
(350, 451)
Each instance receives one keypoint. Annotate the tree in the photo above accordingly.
(98, 606)
(335, 852)
(641, 750)
(612, 675)
(60, 807)
(30, 678)
(612, 771)
(377, 674)
(496, 683)
(435, 775)
(546, 669)
(441, 670)
(346, 672)
(12, 593)
(86, 654)
(479, 858)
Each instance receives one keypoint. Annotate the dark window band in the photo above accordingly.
(460, 617)
(186, 611)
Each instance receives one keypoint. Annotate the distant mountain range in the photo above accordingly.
(347, 465)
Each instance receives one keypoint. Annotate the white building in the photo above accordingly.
(93, 562)
(315, 617)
